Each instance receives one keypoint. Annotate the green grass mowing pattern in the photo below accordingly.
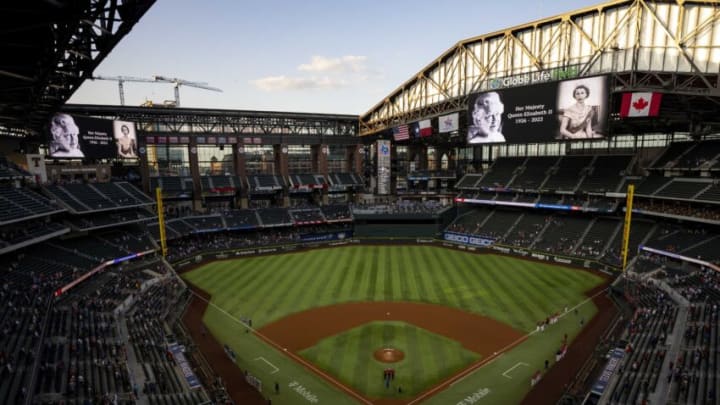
(511, 290)
(428, 358)
(517, 292)
(533, 353)
(250, 349)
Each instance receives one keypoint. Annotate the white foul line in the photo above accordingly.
(513, 368)
(283, 350)
(268, 363)
(482, 364)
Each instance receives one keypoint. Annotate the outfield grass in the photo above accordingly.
(514, 291)
(428, 358)
(517, 292)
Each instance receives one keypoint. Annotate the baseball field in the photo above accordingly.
(452, 327)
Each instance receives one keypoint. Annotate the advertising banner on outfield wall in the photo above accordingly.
(319, 237)
(567, 110)
(472, 240)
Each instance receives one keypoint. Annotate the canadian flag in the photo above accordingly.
(645, 104)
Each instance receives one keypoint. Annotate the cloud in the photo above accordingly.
(348, 63)
(275, 83)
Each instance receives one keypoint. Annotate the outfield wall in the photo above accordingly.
(477, 245)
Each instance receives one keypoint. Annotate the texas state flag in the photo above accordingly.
(425, 128)
(644, 104)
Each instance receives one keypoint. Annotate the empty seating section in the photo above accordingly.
(127, 242)
(498, 223)
(534, 172)
(265, 182)
(30, 230)
(141, 197)
(712, 194)
(562, 233)
(9, 170)
(649, 185)
(528, 198)
(181, 227)
(576, 201)
(673, 151)
(505, 196)
(206, 223)
(172, 186)
(154, 231)
(96, 196)
(307, 216)
(107, 219)
(639, 231)
(597, 237)
(705, 250)
(220, 184)
(550, 199)
(17, 204)
(117, 194)
(699, 154)
(225, 182)
(90, 248)
(606, 173)
(678, 189)
(526, 229)
(501, 172)
(470, 221)
(675, 238)
(338, 212)
(274, 217)
(344, 179)
(306, 180)
(568, 173)
(205, 183)
(241, 219)
(469, 181)
(89, 196)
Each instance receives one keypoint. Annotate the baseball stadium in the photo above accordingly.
(531, 218)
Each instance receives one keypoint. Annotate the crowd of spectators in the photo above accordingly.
(194, 244)
(678, 209)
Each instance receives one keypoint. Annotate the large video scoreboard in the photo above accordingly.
(569, 109)
(79, 137)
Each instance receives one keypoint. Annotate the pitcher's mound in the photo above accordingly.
(387, 355)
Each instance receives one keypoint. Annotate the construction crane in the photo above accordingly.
(155, 79)
(122, 79)
(180, 82)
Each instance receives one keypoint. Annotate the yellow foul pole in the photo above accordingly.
(161, 220)
(626, 229)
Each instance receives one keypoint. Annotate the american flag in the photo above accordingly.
(401, 133)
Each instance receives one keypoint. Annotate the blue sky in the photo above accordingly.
(319, 56)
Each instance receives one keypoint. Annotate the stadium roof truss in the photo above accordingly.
(49, 48)
(294, 128)
(670, 46)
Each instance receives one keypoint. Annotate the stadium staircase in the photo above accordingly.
(540, 234)
(581, 239)
(611, 239)
(511, 228)
(662, 389)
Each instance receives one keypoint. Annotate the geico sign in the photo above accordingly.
(470, 240)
